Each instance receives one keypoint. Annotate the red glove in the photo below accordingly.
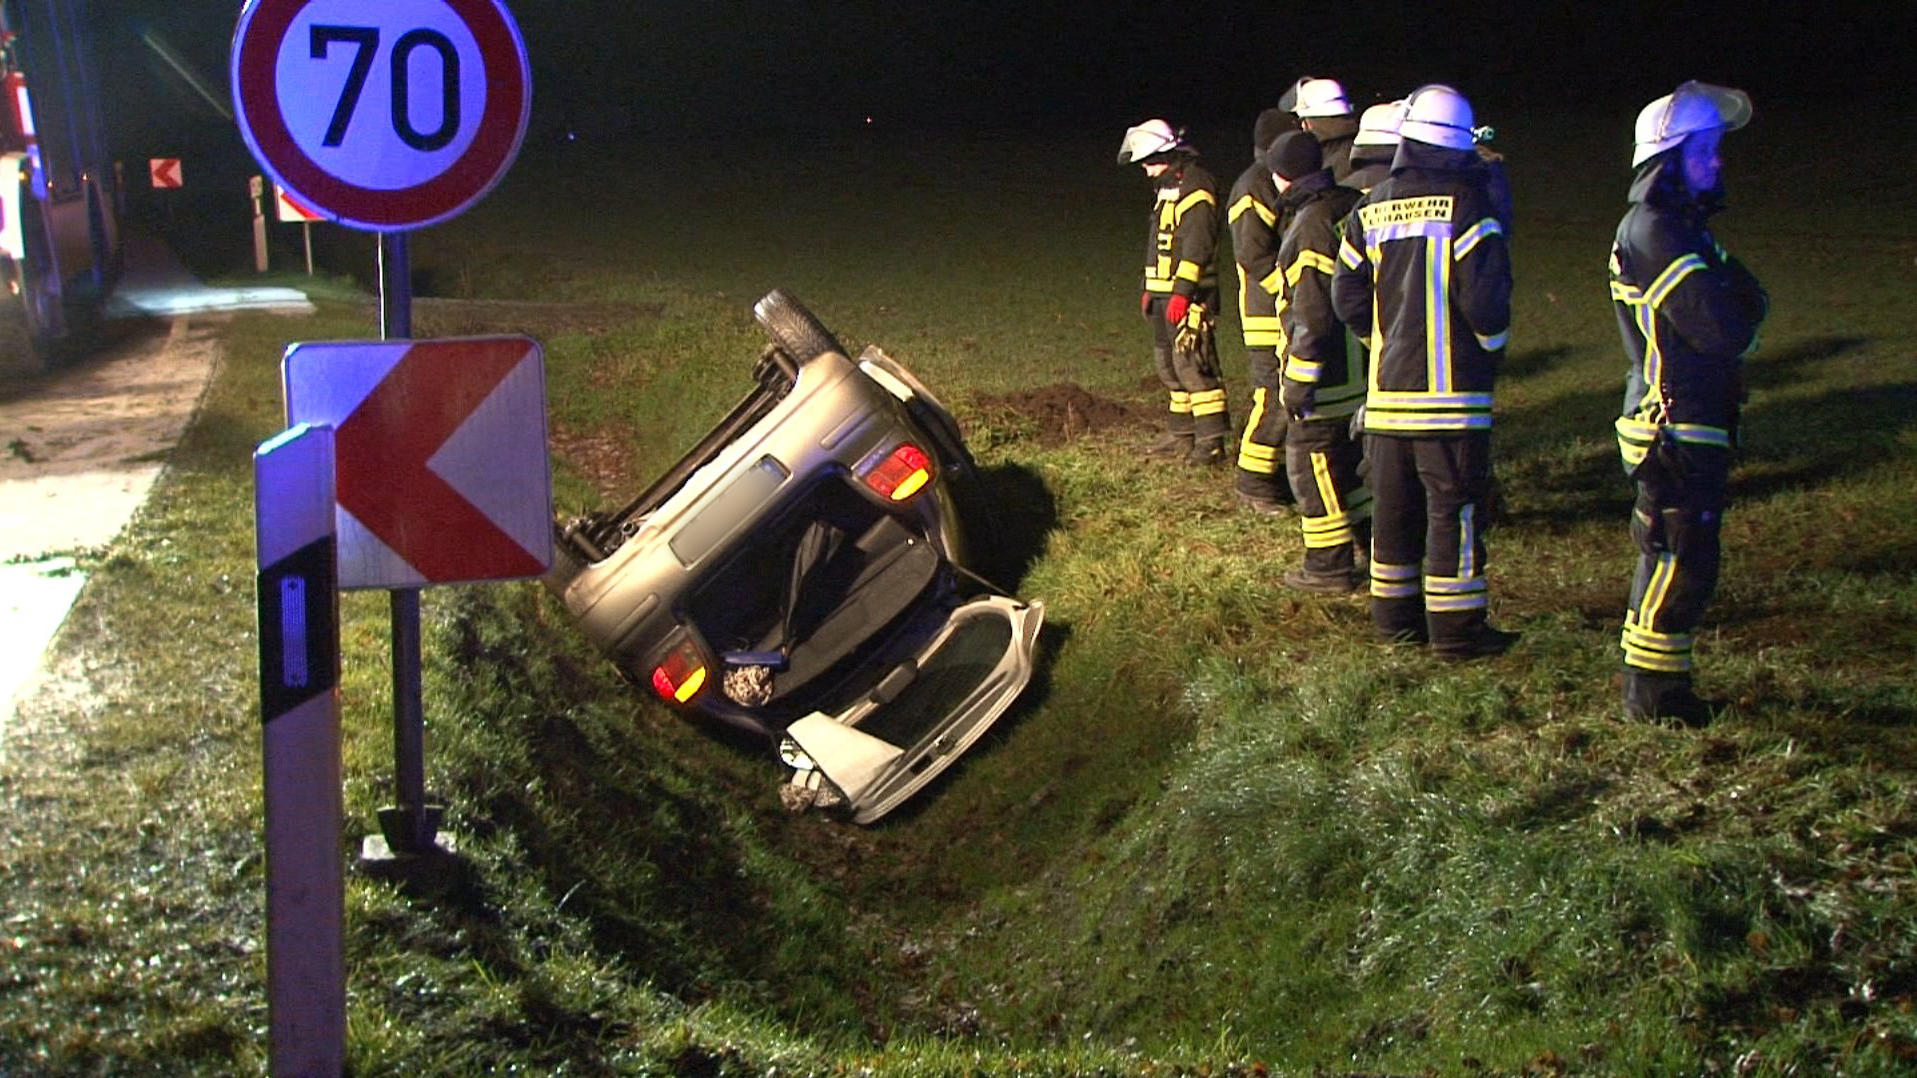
(1175, 310)
(1145, 305)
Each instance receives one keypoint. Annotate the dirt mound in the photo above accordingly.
(1054, 414)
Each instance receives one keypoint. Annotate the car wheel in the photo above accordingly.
(796, 330)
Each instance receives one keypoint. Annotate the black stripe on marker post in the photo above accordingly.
(299, 627)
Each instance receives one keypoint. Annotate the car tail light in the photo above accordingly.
(680, 676)
(901, 473)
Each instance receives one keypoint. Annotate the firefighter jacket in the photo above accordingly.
(1257, 223)
(1424, 275)
(1316, 351)
(1183, 239)
(1687, 311)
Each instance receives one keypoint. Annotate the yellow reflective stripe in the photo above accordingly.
(1188, 271)
(1299, 369)
(1634, 440)
(1411, 399)
(1196, 197)
(1336, 533)
(1467, 541)
(1180, 402)
(1158, 284)
(1348, 254)
(1395, 581)
(1423, 422)
(1658, 589)
(1208, 402)
(1445, 594)
(1274, 280)
(1701, 434)
(1470, 237)
(1648, 649)
(1437, 313)
(1680, 268)
(1309, 260)
(1247, 202)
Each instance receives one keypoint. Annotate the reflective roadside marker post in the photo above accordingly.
(298, 599)
(256, 188)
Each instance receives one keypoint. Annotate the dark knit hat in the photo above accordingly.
(1271, 123)
(1294, 154)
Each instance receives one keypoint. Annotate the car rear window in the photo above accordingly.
(945, 683)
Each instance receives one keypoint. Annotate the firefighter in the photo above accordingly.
(1323, 109)
(1180, 296)
(1425, 275)
(1373, 147)
(1688, 313)
(1323, 376)
(1257, 224)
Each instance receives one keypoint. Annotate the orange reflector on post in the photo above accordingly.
(901, 474)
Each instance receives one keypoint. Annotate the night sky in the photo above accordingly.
(626, 71)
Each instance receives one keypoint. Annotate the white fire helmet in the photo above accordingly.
(1693, 107)
(1378, 126)
(1146, 139)
(1439, 115)
(1312, 96)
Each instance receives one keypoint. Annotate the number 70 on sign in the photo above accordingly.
(380, 99)
(381, 111)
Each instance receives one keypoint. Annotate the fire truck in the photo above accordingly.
(60, 195)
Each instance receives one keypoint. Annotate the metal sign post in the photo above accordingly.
(410, 826)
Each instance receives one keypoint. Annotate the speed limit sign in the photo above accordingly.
(382, 114)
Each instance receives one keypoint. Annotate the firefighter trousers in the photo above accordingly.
(1681, 496)
(1261, 449)
(1334, 505)
(1190, 375)
(1429, 500)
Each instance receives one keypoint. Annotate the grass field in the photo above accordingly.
(1223, 834)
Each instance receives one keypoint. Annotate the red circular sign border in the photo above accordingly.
(256, 48)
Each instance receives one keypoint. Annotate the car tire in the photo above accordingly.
(796, 330)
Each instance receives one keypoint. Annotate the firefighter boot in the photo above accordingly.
(1653, 697)
(1460, 636)
(1398, 620)
(1261, 494)
(1176, 441)
(1208, 439)
(1327, 571)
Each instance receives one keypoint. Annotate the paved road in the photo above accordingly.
(80, 448)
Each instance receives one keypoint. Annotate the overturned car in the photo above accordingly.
(801, 574)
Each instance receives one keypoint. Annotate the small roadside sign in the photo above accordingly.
(440, 450)
(384, 115)
(286, 208)
(165, 172)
